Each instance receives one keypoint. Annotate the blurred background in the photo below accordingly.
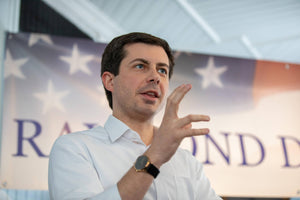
(250, 29)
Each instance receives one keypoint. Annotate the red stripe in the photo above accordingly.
(275, 77)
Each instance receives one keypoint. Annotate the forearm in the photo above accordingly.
(134, 185)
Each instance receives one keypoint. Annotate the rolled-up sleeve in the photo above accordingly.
(72, 175)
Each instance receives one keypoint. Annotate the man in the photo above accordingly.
(129, 158)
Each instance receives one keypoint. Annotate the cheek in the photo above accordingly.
(164, 87)
(129, 85)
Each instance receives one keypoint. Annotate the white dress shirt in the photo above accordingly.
(88, 165)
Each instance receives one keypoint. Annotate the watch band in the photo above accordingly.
(152, 170)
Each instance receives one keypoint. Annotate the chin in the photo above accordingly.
(147, 112)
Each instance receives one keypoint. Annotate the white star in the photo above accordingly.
(211, 74)
(12, 67)
(77, 62)
(51, 98)
(34, 38)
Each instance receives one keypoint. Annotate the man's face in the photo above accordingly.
(140, 86)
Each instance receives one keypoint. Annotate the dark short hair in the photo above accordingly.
(114, 53)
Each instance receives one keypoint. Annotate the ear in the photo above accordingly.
(107, 81)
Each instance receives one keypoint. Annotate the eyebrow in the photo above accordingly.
(147, 62)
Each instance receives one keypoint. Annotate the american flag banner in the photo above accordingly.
(52, 86)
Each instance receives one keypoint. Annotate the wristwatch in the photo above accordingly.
(143, 164)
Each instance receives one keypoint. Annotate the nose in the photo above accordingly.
(154, 77)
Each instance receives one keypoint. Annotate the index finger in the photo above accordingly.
(175, 98)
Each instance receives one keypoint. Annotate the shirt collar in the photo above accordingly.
(115, 128)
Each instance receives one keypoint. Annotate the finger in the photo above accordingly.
(195, 132)
(175, 98)
(179, 92)
(191, 118)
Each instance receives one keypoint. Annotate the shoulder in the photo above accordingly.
(184, 155)
(81, 139)
(97, 133)
(186, 159)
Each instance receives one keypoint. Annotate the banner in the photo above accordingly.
(52, 87)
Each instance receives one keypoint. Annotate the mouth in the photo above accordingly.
(151, 95)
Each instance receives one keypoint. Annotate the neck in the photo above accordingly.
(143, 126)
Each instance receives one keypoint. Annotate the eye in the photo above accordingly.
(163, 71)
(139, 66)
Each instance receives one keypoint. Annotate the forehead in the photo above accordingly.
(149, 52)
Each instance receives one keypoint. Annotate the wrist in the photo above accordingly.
(154, 157)
(144, 164)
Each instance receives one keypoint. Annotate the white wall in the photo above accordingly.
(9, 15)
(2, 43)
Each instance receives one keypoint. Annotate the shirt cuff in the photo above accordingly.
(111, 193)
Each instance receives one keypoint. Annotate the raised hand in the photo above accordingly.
(173, 129)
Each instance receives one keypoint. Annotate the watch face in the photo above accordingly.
(141, 162)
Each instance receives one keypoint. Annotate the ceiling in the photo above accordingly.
(268, 30)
